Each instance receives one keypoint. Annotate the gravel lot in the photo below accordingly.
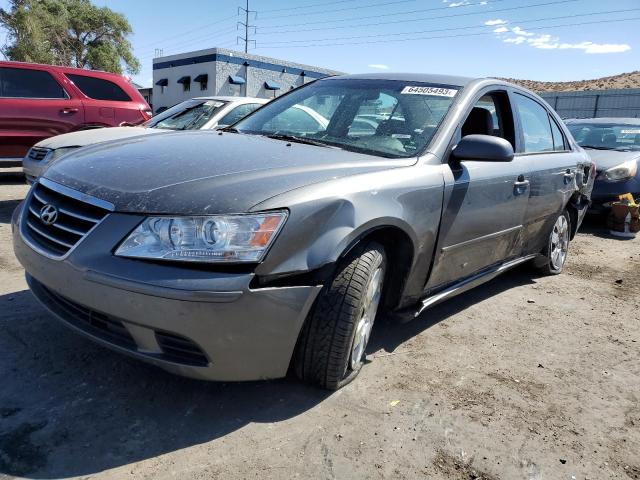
(522, 378)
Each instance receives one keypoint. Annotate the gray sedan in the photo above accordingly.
(276, 243)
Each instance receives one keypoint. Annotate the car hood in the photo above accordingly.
(606, 159)
(94, 135)
(202, 172)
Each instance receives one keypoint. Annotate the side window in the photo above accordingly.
(536, 128)
(491, 115)
(237, 113)
(559, 142)
(27, 83)
(99, 89)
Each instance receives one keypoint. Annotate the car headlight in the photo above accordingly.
(621, 172)
(215, 238)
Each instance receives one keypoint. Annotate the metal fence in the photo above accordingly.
(595, 103)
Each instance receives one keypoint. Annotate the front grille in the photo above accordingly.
(174, 348)
(38, 153)
(181, 350)
(95, 323)
(75, 218)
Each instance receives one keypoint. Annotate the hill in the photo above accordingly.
(623, 80)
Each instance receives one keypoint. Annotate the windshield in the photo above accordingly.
(189, 115)
(388, 118)
(606, 136)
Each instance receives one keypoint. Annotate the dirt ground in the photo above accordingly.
(522, 378)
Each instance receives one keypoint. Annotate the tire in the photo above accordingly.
(552, 259)
(331, 347)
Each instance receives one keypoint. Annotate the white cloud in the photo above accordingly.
(379, 66)
(459, 4)
(521, 32)
(545, 41)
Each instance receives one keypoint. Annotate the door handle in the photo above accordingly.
(68, 111)
(521, 184)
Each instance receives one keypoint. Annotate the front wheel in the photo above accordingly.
(552, 259)
(331, 347)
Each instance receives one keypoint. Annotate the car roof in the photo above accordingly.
(605, 120)
(410, 77)
(72, 70)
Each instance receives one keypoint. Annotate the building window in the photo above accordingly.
(186, 83)
(202, 79)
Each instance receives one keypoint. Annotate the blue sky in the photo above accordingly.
(537, 39)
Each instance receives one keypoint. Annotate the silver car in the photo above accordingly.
(202, 113)
(275, 244)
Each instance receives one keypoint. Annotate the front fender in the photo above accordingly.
(327, 219)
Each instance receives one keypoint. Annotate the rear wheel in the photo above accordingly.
(332, 344)
(552, 259)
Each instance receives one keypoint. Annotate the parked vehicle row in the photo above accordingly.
(40, 101)
(201, 113)
(276, 242)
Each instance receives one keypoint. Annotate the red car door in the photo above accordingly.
(33, 106)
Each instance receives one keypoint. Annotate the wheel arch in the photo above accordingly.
(400, 251)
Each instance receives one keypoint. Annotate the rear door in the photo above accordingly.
(106, 103)
(33, 106)
(552, 164)
(484, 202)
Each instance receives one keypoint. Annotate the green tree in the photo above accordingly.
(73, 33)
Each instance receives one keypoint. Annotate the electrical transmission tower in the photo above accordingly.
(246, 26)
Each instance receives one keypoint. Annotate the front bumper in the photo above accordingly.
(192, 322)
(606, 192)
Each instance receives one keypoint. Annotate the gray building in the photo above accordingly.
(218, 71)
(595, 103)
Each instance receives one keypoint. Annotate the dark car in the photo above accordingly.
(40, 101)
(237, 254)
(614, 145)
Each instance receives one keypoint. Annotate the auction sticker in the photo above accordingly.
(435, 91)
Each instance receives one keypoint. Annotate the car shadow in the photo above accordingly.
(596, 225)
(388, 335)
(6, 209)
(69, 407)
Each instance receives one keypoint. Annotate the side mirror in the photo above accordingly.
(483, 148)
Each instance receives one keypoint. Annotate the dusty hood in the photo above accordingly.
(203, 171)
(606, 159)
(95, 135)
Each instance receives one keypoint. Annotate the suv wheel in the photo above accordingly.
(553, 257)
(331, 347)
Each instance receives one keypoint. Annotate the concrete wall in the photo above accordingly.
(220, 64)
(595, 103)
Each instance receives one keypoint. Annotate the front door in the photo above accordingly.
(485, 202)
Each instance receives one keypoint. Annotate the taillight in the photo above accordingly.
(147, 113)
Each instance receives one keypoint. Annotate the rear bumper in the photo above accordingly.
(194, 323)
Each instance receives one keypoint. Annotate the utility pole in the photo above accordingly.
(246, 26)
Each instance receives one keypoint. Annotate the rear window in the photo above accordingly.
(99, 89)
(27, 83)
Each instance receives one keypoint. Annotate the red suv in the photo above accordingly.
(40, 101)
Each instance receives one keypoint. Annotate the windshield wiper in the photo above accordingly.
(296, 139)
(594, 147)
(229, 129)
